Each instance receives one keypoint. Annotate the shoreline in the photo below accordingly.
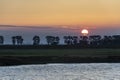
(22, 60)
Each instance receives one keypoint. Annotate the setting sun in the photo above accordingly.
(84, 32)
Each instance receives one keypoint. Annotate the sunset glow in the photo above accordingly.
(84, 32)
(60, 12)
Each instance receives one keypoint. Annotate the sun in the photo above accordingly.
(84, 32)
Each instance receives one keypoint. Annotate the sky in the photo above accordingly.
(58, 17)
(60, 12)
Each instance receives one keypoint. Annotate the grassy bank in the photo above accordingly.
(38, 56)
(60, 52)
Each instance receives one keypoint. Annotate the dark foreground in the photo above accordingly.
(22, 60)
(40, 55)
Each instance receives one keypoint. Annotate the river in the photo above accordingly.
(87, 71)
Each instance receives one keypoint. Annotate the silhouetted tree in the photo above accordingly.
(1, 40)
(19, 40)
(67, 40)
(36, 40)
(56, 41)
(95, 40)
(107, 41)
(75, 40)
(83, 41)
(51, 40)
(14, 40)
(70, 40)
(116, 40)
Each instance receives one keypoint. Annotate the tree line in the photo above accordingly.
(81, 41)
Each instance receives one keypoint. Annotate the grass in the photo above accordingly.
(43, 56)
(60, 52)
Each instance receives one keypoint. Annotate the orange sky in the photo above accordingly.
(59, 12)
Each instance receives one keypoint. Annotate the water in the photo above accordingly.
(94, 71)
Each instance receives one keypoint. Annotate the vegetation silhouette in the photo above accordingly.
(36, 40)
(76, 49)
(1, 40)
(92, 41)
(52, 40)
(17, 40)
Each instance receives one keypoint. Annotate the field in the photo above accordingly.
(38, 56)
